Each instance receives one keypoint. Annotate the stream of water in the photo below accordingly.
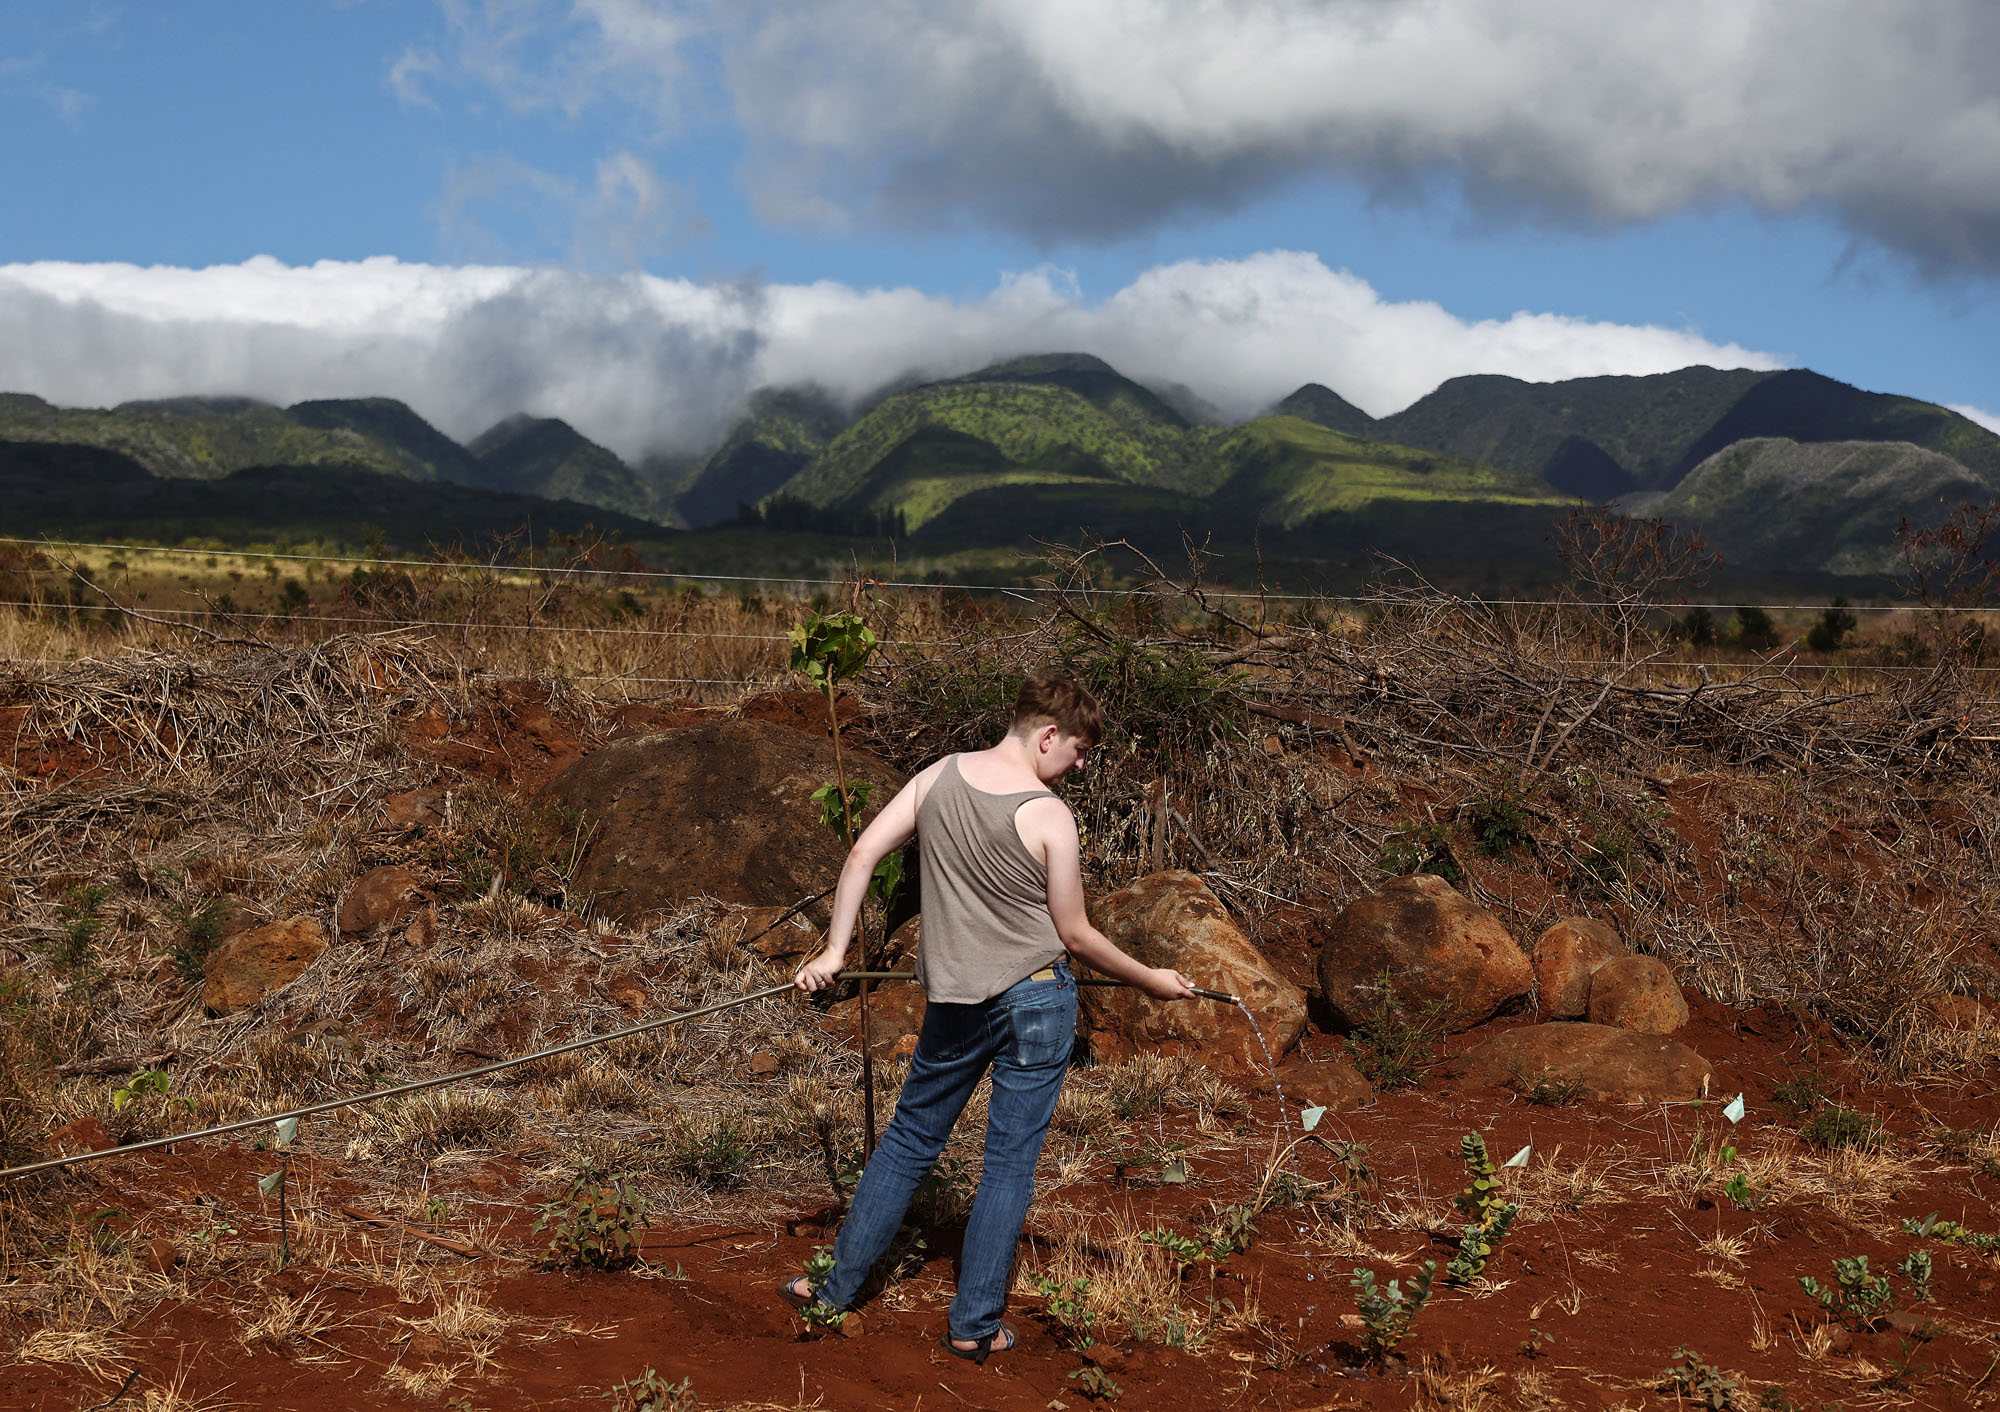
(1284, 1115)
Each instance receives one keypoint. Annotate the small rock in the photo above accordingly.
(84, 1135)
(1842, 1342)
(768, 932)
(377, 896)
(629, 991)
(159, 1255)
(1438, 949)
(904, 1047)
(1329, 1083)
(763, 1064)
(430, 724)
(415, 808)
(1911, 1324)
(1172, 919)
(1616, 1065)
(1565, 957)
(250, 965)
(852, 1326)
(1637, 993)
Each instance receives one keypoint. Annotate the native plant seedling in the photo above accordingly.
(1952, 1233)
(1701, 1383)
(1391, 1045)
(1096, 1384)
(649, 1392)
(1856, 1298)
(147, 1083)
(1069, 1307)
(1536, 1343)
(819, 1316)
(200, 926)
(1183, 1249)
(1387, 1313)
(1488, 1216)
(1916, 1268)
(594, 1224)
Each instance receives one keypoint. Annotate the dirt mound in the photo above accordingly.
(1437, 949)
(722, 809)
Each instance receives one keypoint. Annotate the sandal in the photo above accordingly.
(789, 1293)
(982, 1346)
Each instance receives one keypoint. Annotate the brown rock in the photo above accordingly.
(413, 809)
(84, 1135)
(1911, 1324)
(1329, 1083)
(763, 1064)
(377, 896)
(250, 965)
(1564, 959)
(1637, 993)
(768, 931)
(1620, 1066)
(722, 809)
(1172, 919)
(159, 1255)
(1437, 948)
(895, 1012)
(629, 991)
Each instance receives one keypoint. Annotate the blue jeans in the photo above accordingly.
(1024, 1034)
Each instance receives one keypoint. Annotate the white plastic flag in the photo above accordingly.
(1734, 1109)
(287, 1130)
(1309, 1119)
(1519, 1159)
(269, 1185)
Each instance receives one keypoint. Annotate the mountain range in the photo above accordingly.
(1786, 471)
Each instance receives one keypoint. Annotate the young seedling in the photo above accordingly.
(1916, 1268)
(649, 1392)
(1701, 1383)
(1096, 1384)
(1856, 1298)
(1184, 1250)
(1070, 1307)
(148, 1083)
(1488, 1216)
(819, 1317)
(274, 1184)
(595, 1224)
(1386, 1314)
(1952, 1233)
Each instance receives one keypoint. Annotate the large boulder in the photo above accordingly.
(722, 809)
(1172, 919)
(1439, 951)
(895, 1015)
(250, 965)
(1618, 1066)
(1637, 993)
(1565, 957)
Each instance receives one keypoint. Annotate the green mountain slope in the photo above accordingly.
(1827, 506)
(89, 492)
(543, 456)
(428, 454)
(210, 437)
(780, 432)
(1288, 471)
(1643, 426)
(1323, 406)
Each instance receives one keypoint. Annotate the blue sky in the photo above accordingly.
(511, 133)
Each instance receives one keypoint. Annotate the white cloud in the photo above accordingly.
(1989, 420)
(643, 363)
(407, 74)
(1097, 118)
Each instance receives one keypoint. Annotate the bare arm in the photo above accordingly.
(1054, 828)
(895, 826)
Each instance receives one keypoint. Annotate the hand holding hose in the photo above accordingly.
(820, 972)
(1164, 983)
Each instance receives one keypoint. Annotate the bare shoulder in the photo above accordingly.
(1045, 820)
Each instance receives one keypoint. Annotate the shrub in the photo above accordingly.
(1856, 1298)
(594, 1224)
(1834, 1127)
(74, 951)
(1754, 629)
(1835, 623)
(1391, 1046)
(200, 926)
(1421, 848)
(649, 1392)
(712, 1155)
(1499, 821)
(1698, 628)
(1488, 1216)
(1701, 1383)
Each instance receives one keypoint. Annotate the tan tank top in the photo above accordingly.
(985, 896)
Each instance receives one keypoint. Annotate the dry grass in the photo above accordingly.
(1133, 1286)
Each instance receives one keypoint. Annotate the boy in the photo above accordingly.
(1003, 910)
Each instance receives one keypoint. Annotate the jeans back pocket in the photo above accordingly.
(1042, 1034)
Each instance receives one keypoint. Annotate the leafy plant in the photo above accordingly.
(1916, 1268)
(1607, 854)
(1069, 1307)
(1421, 848)
(1184, 1250)
(1835, 1126)
(712, 1156)
(1701, 1383)
(200, 926)
(1499, 821)
(74, 951)
(1386, 1314)
(287, 1132)
(819, 1316)
(1800, 1092)
(148, 1083)
(1488, 1215)
(1096, 1384)
(1952, 1233)
(594, 1224)
(649, 1392)
(1856, 1298)
(1391, 1046)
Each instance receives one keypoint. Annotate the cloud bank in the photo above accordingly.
(646, 364)
(1090, 119)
